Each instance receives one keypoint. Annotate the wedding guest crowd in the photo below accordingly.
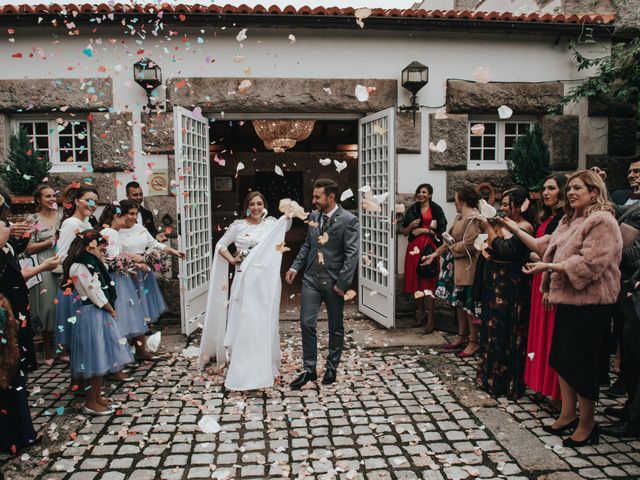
(537, 285)
(91, 294)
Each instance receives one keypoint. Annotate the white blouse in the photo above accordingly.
(137, 239)
(87, 284)
(67, 234)
(114, 245)
(245, 235)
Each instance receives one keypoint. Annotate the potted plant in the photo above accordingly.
(25, 168)
(530, 162)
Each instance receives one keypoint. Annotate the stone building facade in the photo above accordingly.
(64, 64)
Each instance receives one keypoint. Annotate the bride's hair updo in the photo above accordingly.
(247, 200)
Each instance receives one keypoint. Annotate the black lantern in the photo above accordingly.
(414, 77)
(148, 75)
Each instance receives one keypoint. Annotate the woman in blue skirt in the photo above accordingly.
(128, 305)
(135, 239)
(97, 346)
(83, 202)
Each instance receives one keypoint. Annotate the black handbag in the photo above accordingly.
(427, 271)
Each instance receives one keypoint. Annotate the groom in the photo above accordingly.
(329, 257)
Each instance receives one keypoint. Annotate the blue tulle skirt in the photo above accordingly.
(150, 296)
(97, 347)
(66, 312)
(130, 315)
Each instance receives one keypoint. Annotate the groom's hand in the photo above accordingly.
(338, 291)
(290, 276)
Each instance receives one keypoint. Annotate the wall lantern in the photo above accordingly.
(148, 75)
(414, 77)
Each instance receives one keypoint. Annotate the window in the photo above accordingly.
(66, 141)
(490, 148)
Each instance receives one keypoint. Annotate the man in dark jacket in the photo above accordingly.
(145, 217)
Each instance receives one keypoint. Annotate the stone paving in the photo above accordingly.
(396, 412)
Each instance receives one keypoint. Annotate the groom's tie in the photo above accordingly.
(325, 223)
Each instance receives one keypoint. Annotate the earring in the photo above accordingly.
(247, 213)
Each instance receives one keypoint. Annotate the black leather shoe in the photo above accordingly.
(621, 429)
(329, 377)
(557, 431)
(617, 390)
(616, 412)
(303, 379)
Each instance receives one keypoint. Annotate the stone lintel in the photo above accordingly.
(562, 135)
(485, 98)
(453, 129)
(46, 95)
(497, 179)
(111, 141)
(281, 95)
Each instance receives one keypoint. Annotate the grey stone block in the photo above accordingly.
(111, 141)
(408, 135)
(523, 98)
(562, 135)
(157, 132)
(453, 130)
(275, 95)
(622, 138)
(45, 95)
(497, 179)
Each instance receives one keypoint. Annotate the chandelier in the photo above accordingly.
(281, 135)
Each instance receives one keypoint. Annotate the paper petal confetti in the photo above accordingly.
(439, 147)
(153, 342)
(362, 94)
(349, 295)
(292, 38)
(325, 161)
(278, 171)
(477, 129)
(381, 268)
(240, 166)
(244, 86)
(504, 112)
(348, 193)
(379, 130)
(340, 165)
(282, 248)
(208, 424)
(324, 238)
(482, 74)
(242, 35)
(361, 14)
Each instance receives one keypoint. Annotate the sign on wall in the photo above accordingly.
(159, 182)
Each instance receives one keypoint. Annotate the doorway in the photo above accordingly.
(240, 163)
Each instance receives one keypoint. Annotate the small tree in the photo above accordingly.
(26, 167)
(529, 162)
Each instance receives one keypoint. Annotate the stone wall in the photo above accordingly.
(104, 182)
(277, 95)
(111, 141)
(523, 98)
(561, 133)
(89, 94)
(453, 129)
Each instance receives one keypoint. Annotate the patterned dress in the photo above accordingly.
(505, 295)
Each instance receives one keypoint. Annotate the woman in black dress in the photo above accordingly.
(16, 428)
(505, 296)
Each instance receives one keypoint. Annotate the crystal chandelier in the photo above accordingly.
(281, 135)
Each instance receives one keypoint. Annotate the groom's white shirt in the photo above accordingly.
(328, 214)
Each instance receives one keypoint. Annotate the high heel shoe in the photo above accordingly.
(557, 431)
(456, 346)
(592, 439)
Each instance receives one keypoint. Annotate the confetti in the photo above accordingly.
(292, 38)
(340, 165)
(244, 86)
(362, 94)
(349, 295)
(282, 248)
(381, 268)
(504, 112)
(153, 342)
(324, 238)
(348, 193)
(278, 171)
(482, 74)
(208, 424)
(477, 129)
(242, 35)
(439, 147)
(361, 14)
(325, 162)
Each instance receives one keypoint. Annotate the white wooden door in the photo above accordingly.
(194, 214)
(377, 154)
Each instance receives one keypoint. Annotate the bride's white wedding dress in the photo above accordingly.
(242, 326)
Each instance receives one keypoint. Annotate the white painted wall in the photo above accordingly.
(210, 51)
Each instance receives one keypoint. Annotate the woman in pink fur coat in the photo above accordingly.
(580, 261)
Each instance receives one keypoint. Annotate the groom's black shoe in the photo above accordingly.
(329, 377)
(303, 379)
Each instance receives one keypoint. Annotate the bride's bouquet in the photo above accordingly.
(158, 259)
(123, 264)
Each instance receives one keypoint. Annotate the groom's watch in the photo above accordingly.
(549, 267)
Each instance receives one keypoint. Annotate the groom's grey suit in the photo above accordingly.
(326, 265)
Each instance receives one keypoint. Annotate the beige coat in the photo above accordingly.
(464, 231)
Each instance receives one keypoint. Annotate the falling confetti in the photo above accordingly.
(477, 129)
(340, 165)
(439, 147)
(361, 14)
(325, 161)
(209, 424)
(362, 94)
(504, 112)
(278, 171)
(244, 86)
(348, 193)
(482, 74)
(242, 35)
(292, 38)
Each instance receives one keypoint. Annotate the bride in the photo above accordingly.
(242, 326)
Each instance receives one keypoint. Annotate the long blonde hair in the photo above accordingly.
(593, 182)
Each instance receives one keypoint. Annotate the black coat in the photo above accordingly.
(14, 288)
(148, 222)
(437, 213)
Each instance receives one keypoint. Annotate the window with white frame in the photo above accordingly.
(66, 141)
(491, 140)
